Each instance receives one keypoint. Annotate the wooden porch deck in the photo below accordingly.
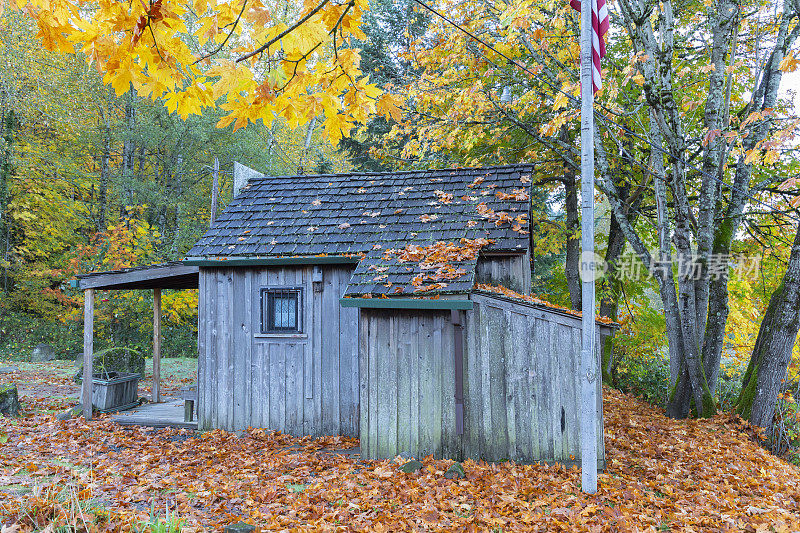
(168, 413)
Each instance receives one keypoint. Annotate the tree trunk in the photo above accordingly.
(7, 126)
(572, 262)
(129, 146)
(773, 349)
(610, 290)
(105, 170)
(702, 229)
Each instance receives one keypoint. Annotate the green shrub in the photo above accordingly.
(20, 332)
(119, 359)
(179, 341)
(729, 384)
(646, 376)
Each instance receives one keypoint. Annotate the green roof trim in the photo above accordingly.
(75, 283)
(272, 261)
(406, 303)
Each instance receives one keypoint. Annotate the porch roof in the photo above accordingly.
(173, 275)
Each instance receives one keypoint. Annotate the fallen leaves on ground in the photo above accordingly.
(662, 475)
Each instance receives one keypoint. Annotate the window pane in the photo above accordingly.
(281, 310)
(285, 311)
(291, 310)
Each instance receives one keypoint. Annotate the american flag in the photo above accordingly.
(599, 29)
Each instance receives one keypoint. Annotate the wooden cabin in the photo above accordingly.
(389, 307)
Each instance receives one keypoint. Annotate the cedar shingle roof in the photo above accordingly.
(365, 214)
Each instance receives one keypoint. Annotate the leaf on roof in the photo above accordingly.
(477, 181)
(343, 225)
(505, 291)
(502, 218)
(428, 218)
(516, 194)
(443, 197)
(436, 260)
(317, 202)
(432, 287)
(521, 222)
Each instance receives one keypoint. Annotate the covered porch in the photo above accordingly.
(174, 275)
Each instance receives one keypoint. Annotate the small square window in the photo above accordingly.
(281, 310)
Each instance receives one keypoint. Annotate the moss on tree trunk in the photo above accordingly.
(773, 349)
(9, 401)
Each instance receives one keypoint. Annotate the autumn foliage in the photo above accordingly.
(661, 475)
(255, 60)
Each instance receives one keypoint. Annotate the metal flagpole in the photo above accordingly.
(588, 375)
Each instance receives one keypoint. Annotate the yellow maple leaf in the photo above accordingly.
(789, 63)
(389, 106)
(120, 80)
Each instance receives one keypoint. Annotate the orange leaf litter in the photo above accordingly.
(662, 475)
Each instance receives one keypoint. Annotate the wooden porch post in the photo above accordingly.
(88, 351)
(156, 345)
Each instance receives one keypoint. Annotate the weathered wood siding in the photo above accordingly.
(408, 385)
(302, 384)
(512, 271)
(521, 389)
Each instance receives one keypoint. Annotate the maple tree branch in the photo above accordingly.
(284, 33)
(296, 63)
(227, 37)
(153, 35)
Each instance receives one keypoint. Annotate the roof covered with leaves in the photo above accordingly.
(414, 231)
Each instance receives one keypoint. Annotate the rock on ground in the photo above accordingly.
(456, 471)
(43, 352)
(410, 467)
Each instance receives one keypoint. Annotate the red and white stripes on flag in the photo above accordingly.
(599, 29)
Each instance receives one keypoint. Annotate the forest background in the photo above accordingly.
(96, 174)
